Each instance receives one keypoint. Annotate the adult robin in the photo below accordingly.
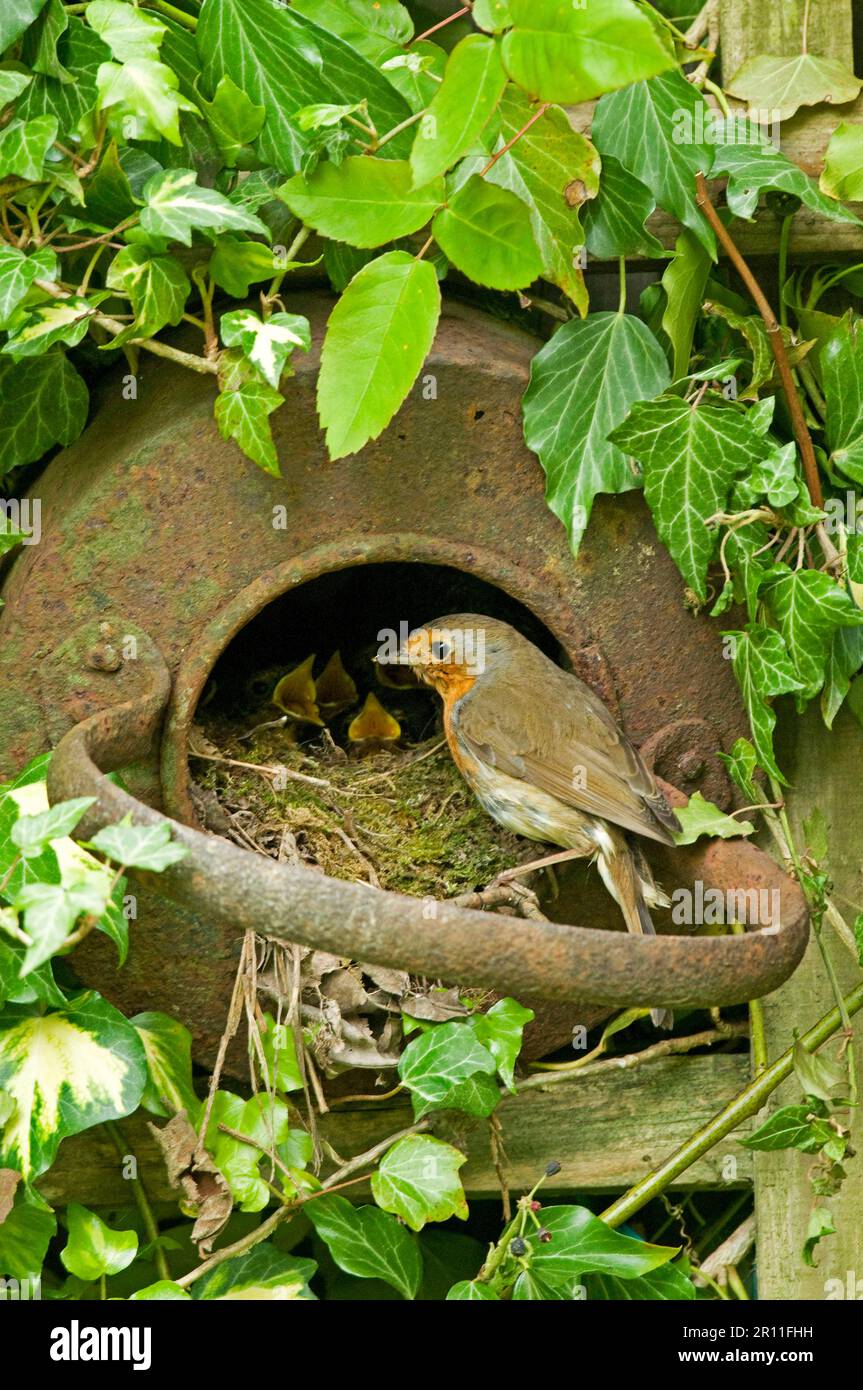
(544, 756)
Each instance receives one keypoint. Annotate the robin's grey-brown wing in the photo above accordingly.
(564, 741)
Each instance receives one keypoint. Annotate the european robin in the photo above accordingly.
(544, 756)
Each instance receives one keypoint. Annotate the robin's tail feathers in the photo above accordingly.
(627, 876)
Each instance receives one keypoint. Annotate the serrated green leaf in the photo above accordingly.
(569, 53)
(242, 414)
(176, 204)
(139, 846)
(157, 286)
(24, 145)
(362, 201)
(417, 1179)
(808, 606)
(17, 273)
(614, 221)
(473, 82)
(555, 171)
(42, 402)
(168, 1050)
(699, 817)
(66, 1071)
(582, 383)
(367, 1242)
(689, 458)
(658, 131)
(776, 87)
(93, 1248)
(377, 339)
(235, 264)
(486, 232)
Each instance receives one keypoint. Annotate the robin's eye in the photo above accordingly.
(440, 651)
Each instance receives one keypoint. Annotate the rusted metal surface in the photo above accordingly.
(547, 961)
(152, 524)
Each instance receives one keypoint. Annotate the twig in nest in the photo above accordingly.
(522, 900)
(266, 771)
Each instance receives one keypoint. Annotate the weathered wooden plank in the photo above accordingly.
(605, 1130)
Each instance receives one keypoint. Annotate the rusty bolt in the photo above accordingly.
(104, 657)
(691, 766)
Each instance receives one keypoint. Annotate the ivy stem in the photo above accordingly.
(757, 1036)
(295, 247)
(188, 21)
(747, 1103)
(397, 130)
(114, 326)
(621, 269)
(139, 1192)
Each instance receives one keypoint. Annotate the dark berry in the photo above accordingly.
(517, 1246)
(552, 1168)
(544, 1236)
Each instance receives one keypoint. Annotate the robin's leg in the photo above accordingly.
(561, 857)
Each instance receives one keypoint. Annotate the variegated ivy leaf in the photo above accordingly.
(65, 1071)
(582, 383)
(268, 343)
(689, 458)
(262, 1273)
(807, 607)
(417, 1179)
(142, 99)
(17, 273)
(24, 145)
(242, 412)
(93, 1248)
(157, 286)
(129, 32)
(168, 1046)
(763, 669)
(34, 331)
(32, 833)
(176, 205)
(139, 846)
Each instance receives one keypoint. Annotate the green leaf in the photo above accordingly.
(280, 1054)
(699, 817)
(130, 33)
(142, 99)
(582, 383)
(283, 61)
(139, 846)
(176, 204)
(267, 343)
(689, 458)
(17, 273)
(168, 1050)
(842, 176)
(242, 414)
(684, 280)
(776, 87)
(468, 1290)
(25, 1235)
(554, 170)
(32, 834)
(820, 1224)
(81, 52)
(844, 660)
(94, 1249)
(12, 84)
(157, 286)
(163, 1291)
(659, 1285)
(235, 264)
(52, 909)
(39, 49)
(66, 1071)
(658, 131)
(471, 89)
(790, 1127)
(362, 201)
(492, 15)
(581, 1243)
(66, 321)
(234, 119)
(500, 1029)
(377, 339)
(614, 222)
(362, 25)
(808, 606)
(24, 145)
(437, 1062)
(262, 1119)
(819, 1076)
(560, 52)
(417, 1180)
(15, 17)
(754, 166)
(261, 1273)
(368, 1243)
(486, 232)
(841, 363)
(763, 669)
(42, 402)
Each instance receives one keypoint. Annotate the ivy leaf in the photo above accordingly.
(471, 89)
(12, 84)
(66, 1071)
(417, 1179)
(438, 1062)
(163, 1291)
(39, 49)
(157, 286)
(44, 402)
(143, 97)
(234, 119)
(699, 817)
(168, 1050)
(751, 328)
(24, 145)
(362, 201)
(139, 846)
(52, 909)
(563, 53)
(468, 1290)
(80, 51)
(176, 204)
(554, 170)
(280, 1055)
(66, 321)
(808, 607)
(486, 232)
(94, 1249)
(242, 414)
(753, 166)
(843, 661)
(821, 1224)
(668, 1283)
(842, 176)
(236, 264)
(368, 1243)
(659, 130)
(17, 273)
(263, 1119)
(614, 221)
(283, 61)
(15, 17)
(819, 1076)
(377, 339)
(684, 280)
(841, 364)
(261, 1273)
(581, 1243)
(500, 1029)
(763, 669)
(267, 343)
(689, 458)
(582, 383)
(789, 1127)
(130, 33)
(32, 834)
(776, 87)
